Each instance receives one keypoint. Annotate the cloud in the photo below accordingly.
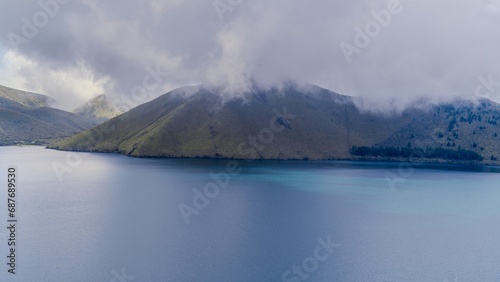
(431, 49)
(70, 86)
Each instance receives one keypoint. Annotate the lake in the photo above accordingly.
(105, 217)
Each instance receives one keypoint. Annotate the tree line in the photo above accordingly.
(429, 153)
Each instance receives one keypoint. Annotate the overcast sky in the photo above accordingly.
(388, 52)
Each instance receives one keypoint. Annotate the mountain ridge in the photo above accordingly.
(25, 118)
(212, 128)
(28, 99)
(327, 125)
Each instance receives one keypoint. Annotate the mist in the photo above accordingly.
(390, 54)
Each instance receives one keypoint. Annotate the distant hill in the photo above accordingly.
(28, 99)
(292, 123)
(470, 125)
(25, 119)
(98, 108)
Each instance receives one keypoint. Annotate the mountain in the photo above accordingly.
(28, 99)
(98, 108)
(292, 123)
(470, 125)
(26, 119)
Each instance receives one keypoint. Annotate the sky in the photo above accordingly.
(390, 53)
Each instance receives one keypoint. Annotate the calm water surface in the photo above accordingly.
(114, 218)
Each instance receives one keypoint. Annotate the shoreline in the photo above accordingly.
(416, 162)
(392, 162)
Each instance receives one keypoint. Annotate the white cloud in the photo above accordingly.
(70, 86)
(434, 49)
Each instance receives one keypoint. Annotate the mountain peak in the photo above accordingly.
(98, 108)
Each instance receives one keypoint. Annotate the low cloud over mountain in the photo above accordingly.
(400, 51)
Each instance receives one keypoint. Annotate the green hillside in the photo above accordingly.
(317, 124)
(24, 98)
(294, 123)
(98, 108)
(33, 123)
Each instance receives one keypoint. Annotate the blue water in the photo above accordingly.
(114, 218)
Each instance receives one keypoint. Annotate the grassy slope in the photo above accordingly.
(27, 99)
(98, 108)
(325, 126)
(475, 124)
(20, 124)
